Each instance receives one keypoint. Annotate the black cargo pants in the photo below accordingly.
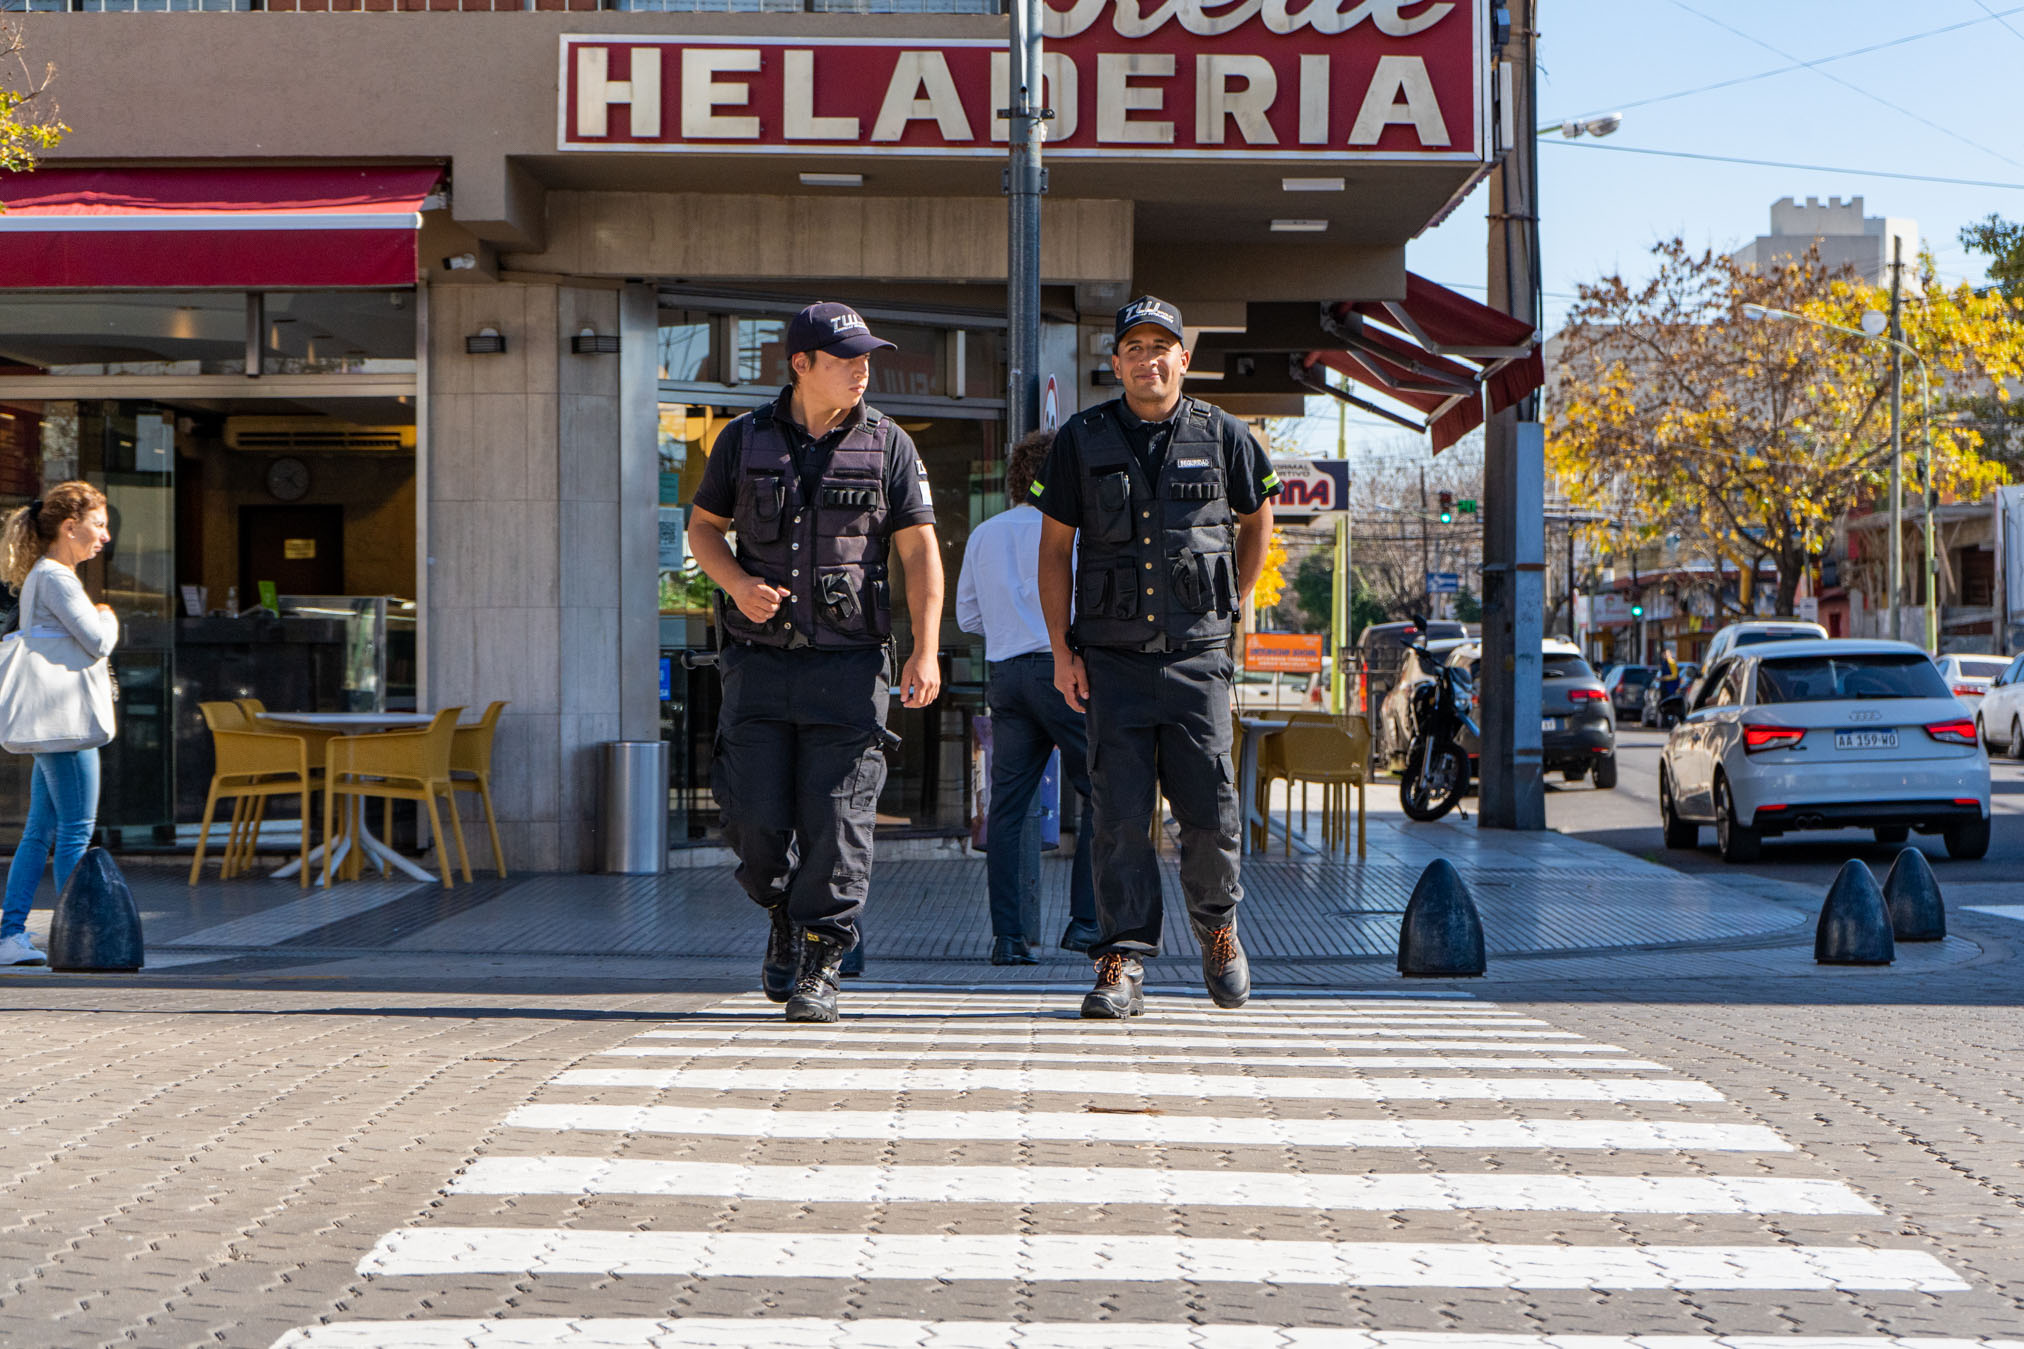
(799, 767)
(1160, 717)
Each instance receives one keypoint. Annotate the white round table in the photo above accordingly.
(355, 723)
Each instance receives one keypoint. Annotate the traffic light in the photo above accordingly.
(1637, 610)
(1447, 508)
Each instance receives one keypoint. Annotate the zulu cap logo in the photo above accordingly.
(1143, 312)
(848, 323)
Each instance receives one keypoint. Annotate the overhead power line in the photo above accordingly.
(1781, 164)
(2000, 19)
(1820, 61)
(1870, 94)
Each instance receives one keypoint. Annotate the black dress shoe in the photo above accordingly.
(1005, 950)
(815, 991)
(1080, 936)
(1225, 968)
(783, 957)
(1120, 989)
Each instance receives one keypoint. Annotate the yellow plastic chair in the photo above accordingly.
(471, 757)
(396, 766)
(251, 766)
(1337, 756)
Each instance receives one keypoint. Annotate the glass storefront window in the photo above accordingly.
(917, 369)
(760, 350)
(364, 332)
(201, 332)
(688, 347)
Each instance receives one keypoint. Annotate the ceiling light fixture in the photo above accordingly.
(1299, 226)
(832, 180)
(1311, 184)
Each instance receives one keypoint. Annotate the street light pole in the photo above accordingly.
(1899, 349)
(1897, 447)
(1025, 182)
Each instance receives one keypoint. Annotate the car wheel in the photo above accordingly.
(1981, 733)
(1738, 843)
(2016, 739)
(1892, 833)
(1605, 771)
(1968, 840)
(1682, 834)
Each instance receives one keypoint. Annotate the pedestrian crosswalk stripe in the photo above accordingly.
(1154, 989)
(1438, 1192)
(1208, 1130)
(1108, 1040)
(858, 1030)
(779, 1332)
(866, 1007)
(1998, 910)
(1111, 1259)
(1112, 1055)
(1140, 1083)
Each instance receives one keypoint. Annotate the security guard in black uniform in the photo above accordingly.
(818, 486)
(1171, 499)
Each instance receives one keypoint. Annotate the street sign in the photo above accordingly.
(1444, 583)
(1310, 487)
(1283, 652)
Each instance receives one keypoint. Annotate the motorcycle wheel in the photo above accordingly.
(1429, 791)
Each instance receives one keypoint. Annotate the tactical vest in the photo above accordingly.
(829, 554)
(1156, 567)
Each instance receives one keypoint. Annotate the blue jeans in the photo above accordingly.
(1029, 721)
(63, 811)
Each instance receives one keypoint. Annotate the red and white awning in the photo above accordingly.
(240, 228)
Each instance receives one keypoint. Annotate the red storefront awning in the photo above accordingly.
(1439, 353)
(188, 228)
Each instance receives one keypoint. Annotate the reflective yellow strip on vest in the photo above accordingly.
(1270, 480)
(1035, 490)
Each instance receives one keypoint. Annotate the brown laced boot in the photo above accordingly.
(1120, 989)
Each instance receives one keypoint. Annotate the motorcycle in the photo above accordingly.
(1437, 771)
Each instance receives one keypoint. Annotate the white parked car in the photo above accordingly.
(1824, 733)
(1969, 674)
(1755, 632)
(1999, 719)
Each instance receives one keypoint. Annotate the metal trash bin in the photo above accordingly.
(633, 813)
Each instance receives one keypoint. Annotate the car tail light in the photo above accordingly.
(1960, 732)
(1585, 695)
(1966, 691)
(1363, 691)
(1771, 737)
(1966, 801)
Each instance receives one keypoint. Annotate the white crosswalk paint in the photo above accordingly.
(1138, 1083)
(1999, 910)
(858, 1031)
(1213, 1131)
(1110, 1040)
(1381, 1062)
(857, 1008)
(1438, 1192)
(1174, 992)
(794, 1333)
(1147, 1259)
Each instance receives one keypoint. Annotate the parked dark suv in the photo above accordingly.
(1625, 685)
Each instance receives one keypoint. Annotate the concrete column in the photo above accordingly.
(531, 574)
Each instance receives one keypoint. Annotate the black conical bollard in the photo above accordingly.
(1912, 894)
(1854, 925)
(1440, 935)
(97, 929)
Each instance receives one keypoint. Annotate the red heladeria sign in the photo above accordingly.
(1133, 79)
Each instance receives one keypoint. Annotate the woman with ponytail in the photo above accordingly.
(40, 547)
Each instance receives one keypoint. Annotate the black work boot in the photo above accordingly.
(821, 971)
(1225, 969)
(1120, 989)
(783, 956)
(1080, 935)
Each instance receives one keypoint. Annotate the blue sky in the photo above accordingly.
(1942, 106)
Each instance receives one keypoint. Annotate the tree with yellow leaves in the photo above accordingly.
(27, 116)
(1272, 578)
(1672, 412)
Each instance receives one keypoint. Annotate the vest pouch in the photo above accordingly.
(853, 604)
(1204, 583)
(762, 503)
(847, 506)
(1198, 489)
(1112, 508)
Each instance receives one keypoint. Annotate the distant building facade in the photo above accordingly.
(1845, 235)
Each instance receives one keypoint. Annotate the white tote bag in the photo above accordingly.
(54, 695)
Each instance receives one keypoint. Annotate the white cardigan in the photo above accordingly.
(63, 609)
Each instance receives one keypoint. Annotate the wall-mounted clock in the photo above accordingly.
(288, 479)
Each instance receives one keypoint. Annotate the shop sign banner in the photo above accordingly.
(1283, 652)
(1310, 487)
(1342, 80)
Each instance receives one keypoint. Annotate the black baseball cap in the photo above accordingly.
(835, 328)
(1146, 309)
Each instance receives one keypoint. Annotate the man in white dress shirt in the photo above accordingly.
(998, 595)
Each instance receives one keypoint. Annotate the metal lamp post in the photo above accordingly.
(1872, 330)
(1025, 182)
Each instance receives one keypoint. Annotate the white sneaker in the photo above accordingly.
(19, 950)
